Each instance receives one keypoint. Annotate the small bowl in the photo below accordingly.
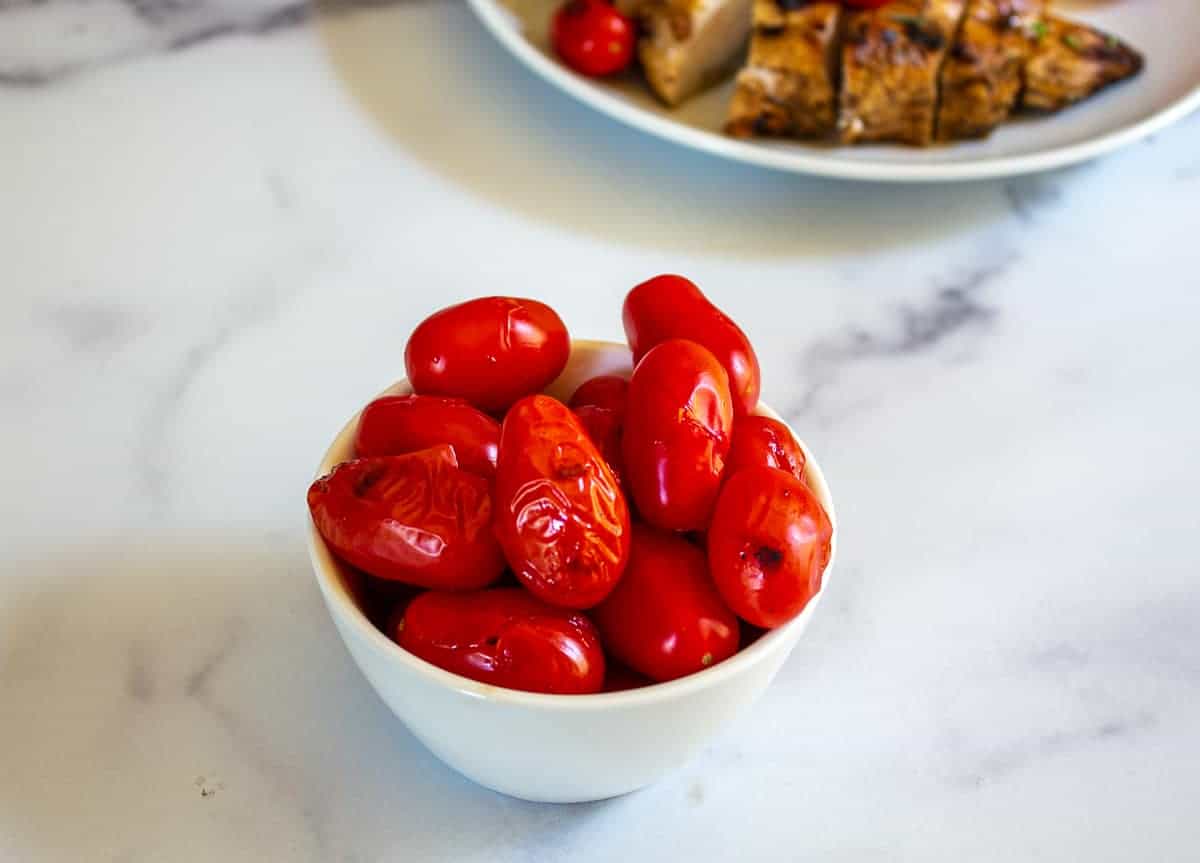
(556, 748)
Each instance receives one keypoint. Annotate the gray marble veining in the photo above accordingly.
(213, 257)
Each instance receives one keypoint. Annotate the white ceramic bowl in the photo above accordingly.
(556, 748)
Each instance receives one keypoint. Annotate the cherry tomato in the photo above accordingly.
(416, 518)
(768, 545)
(764, 441)
(604, 428)
(592, 37)
(677, 432)
(504, 637)
(394, 425)
(560, 515)
(671, 307)
(665, 618)
(603, 391)
(491, 351)
(599, 404)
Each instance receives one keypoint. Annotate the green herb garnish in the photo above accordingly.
(1072, 42)
(1038, 29)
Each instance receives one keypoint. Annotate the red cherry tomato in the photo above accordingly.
(415, 518)
(504, 637)
(394, 425)
(677, 431)
(665, 618)
(604, 428)
(768, 545)
(603, 391)
(764, 441)
(671, 307)
(560, 515)
(599, 404)
(491, 351)
(592, 37)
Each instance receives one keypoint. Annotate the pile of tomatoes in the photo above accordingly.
(568, 548)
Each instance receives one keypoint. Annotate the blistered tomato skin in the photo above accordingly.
(599, 403)
(561, 517)
(416, 518)
(764, 441)
(672, 307)
(665, 619)
(678, 423)
(504, 637)
(768, 545)
(394, 425)
(491, 351)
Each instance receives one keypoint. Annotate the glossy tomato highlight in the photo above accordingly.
(394, 425)
(678, 422)
(665, 619)
(491, 351)
(764, 441)
(768, 545)
(416, 518)
(560, 515)
(505, 637)
(672, 307)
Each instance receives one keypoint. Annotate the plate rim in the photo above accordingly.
(496, 20)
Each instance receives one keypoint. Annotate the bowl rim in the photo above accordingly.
(341, 603)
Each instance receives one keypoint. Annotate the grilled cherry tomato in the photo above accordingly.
(491, 351)
(603, 391)
(393, 425)
(764, 441)
(599, 404)
(560, 515)
(677, 431)
(416, 518)
(671, 307)
(665, 618)
(592, 37)
(504, 637)
(768, 545)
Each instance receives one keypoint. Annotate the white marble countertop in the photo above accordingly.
(219, 221)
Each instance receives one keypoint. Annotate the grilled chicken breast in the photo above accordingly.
(981, 78)
(1071, 62)
(891, 62)
(789, 84)
(686, 45)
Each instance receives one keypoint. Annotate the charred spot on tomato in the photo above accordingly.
(364, 483)
(568, 461)
(767, 557)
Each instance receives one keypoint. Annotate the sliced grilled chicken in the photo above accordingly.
(891, 62)
(1071, 62)
(687, 45)
(789, 84)
(981, 78)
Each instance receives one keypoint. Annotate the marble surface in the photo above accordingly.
(221, 218)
